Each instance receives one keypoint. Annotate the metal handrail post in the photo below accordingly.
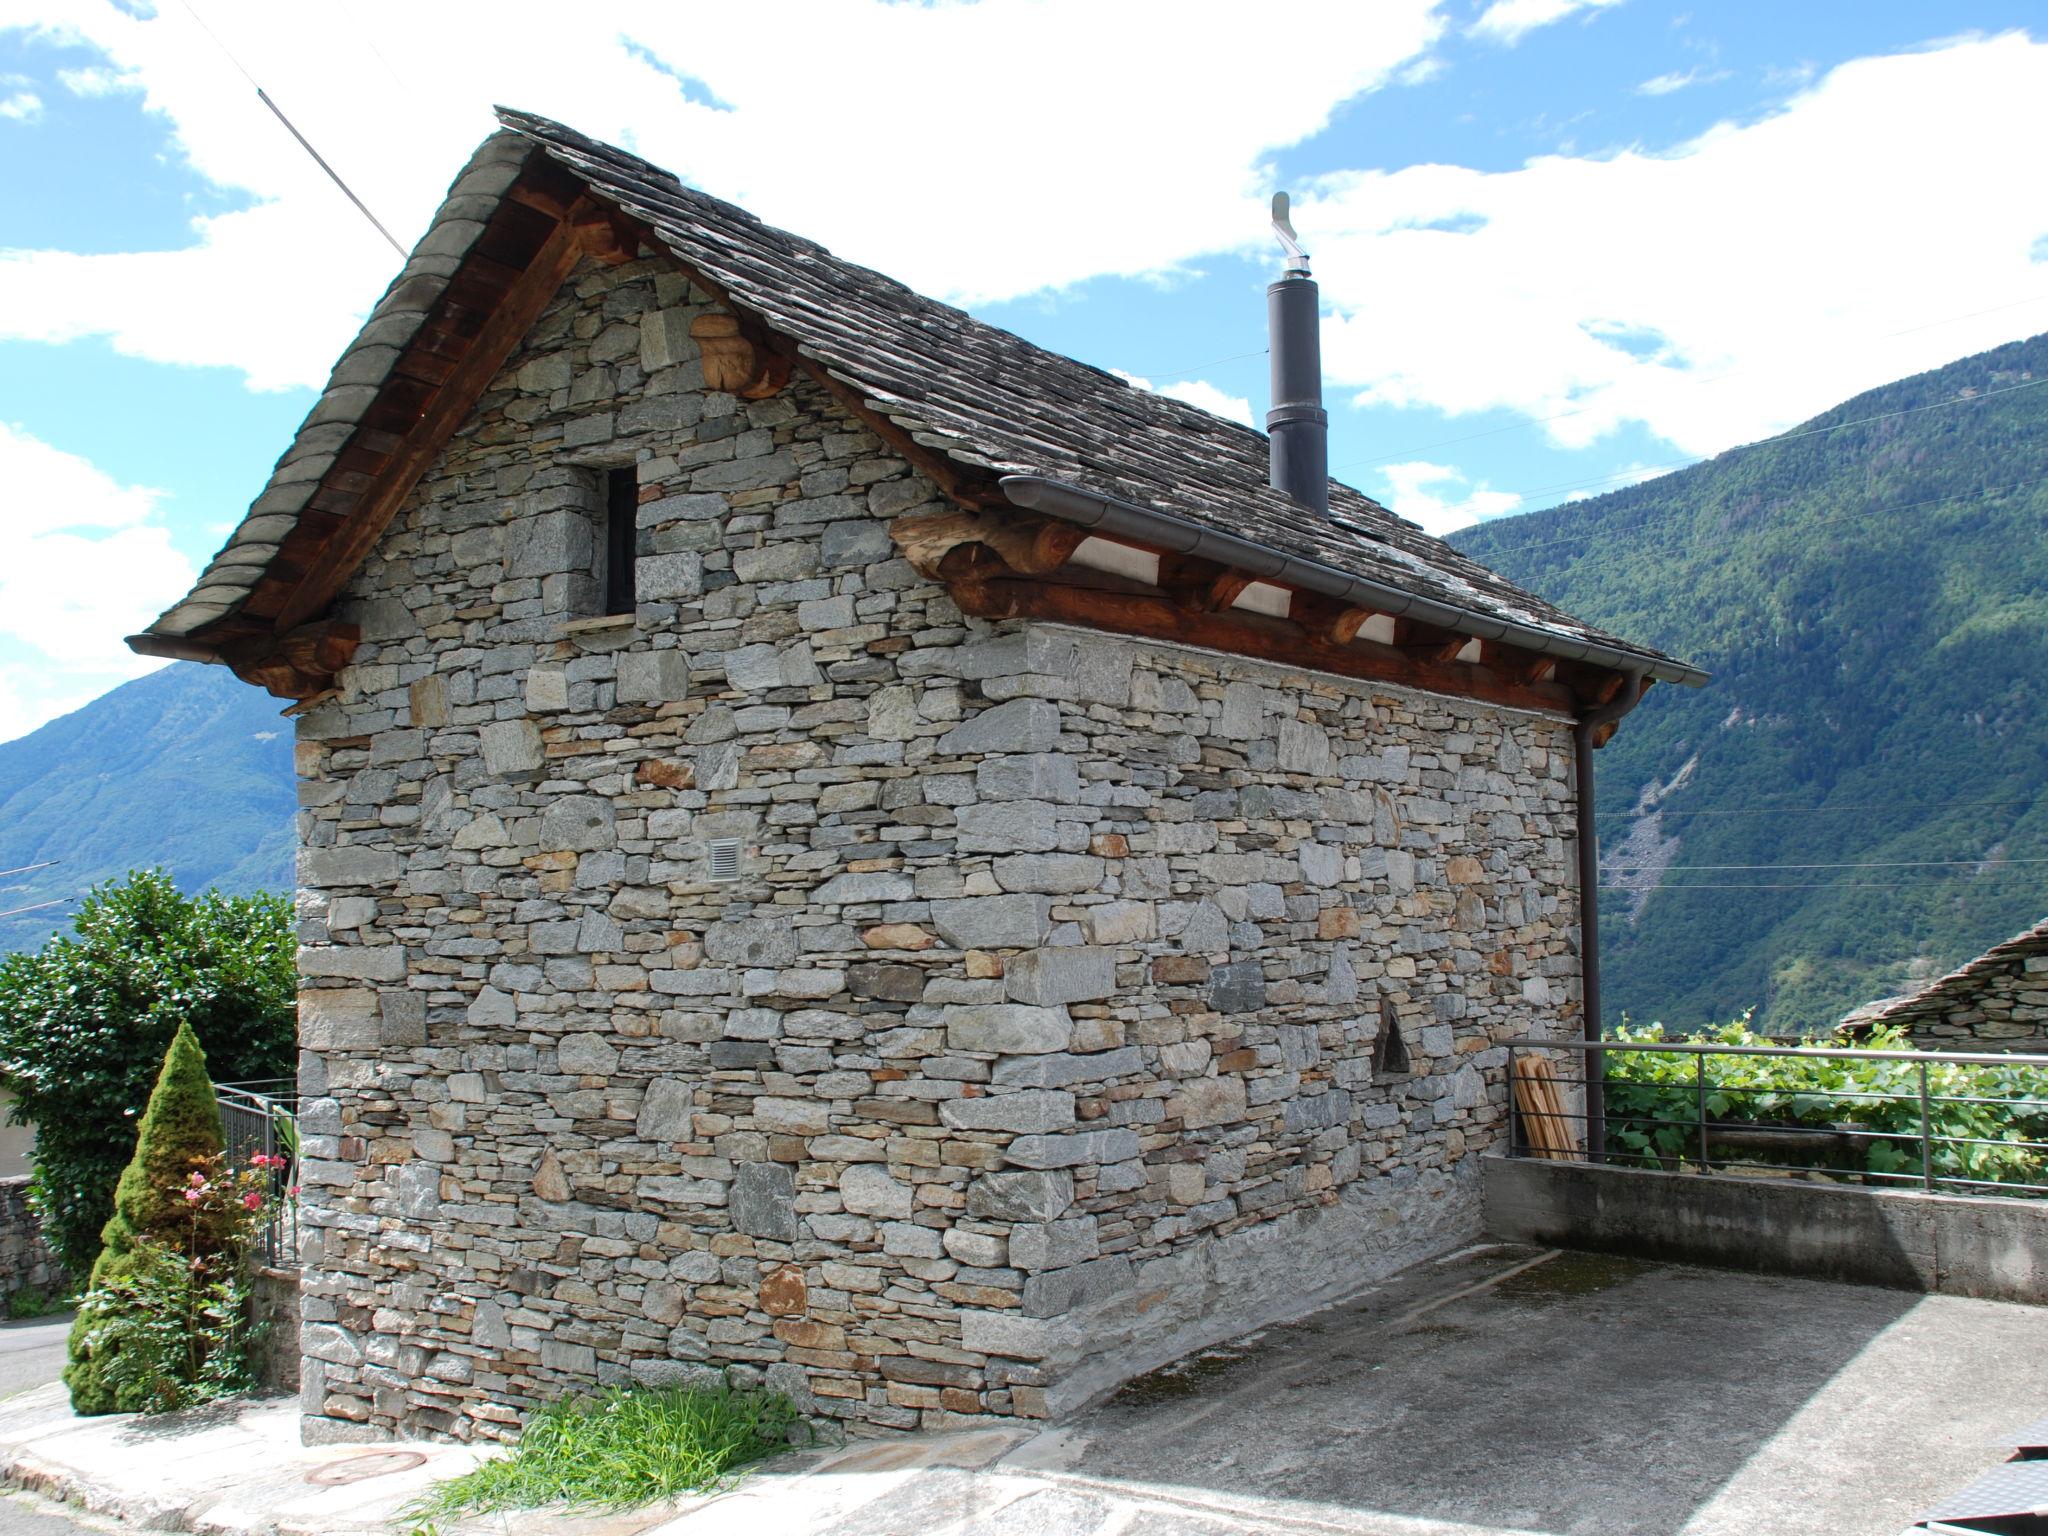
(1926, 1136)
(1699, 1077)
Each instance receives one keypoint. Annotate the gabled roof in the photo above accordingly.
(1952, 991)
(985, 407)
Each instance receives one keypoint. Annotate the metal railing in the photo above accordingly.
(262, 1117)
(1938, 1121)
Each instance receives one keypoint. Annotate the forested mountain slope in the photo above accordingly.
(188, 768)
(1873, 602)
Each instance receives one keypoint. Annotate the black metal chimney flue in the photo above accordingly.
(1297, 426)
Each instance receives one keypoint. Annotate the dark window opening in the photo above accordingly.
(1390, 1051)
(621, 530)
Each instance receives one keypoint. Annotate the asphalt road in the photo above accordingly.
(32, 1353)
(24, 1515)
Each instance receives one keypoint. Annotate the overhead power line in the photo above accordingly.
(1986, 863)
(1824, 885)
(1819, 810)
(61, 901)
(1862, 514)
(304, 143)
(1651, 470)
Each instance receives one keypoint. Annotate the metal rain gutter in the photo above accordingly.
(1143, 525)
(1592, 1029)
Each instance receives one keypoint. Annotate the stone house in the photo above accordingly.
(843, 847)
(1997, 1002)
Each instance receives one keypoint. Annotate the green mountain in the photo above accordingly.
(1871, 592)
(188, 768)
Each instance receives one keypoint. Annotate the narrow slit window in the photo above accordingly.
(621, 518)
(1390, 1051)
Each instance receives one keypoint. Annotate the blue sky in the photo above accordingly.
(1563, 242)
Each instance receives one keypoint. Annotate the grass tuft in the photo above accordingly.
(623, 1447)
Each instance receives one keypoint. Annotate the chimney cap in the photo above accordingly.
(1283, 230)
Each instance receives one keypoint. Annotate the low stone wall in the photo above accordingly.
(1994, 1249)
(25, 1259)
(274, 1309)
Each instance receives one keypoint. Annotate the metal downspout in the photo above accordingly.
(1589, 907)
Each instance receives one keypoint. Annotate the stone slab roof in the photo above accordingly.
(985, 399)
(1953, 991)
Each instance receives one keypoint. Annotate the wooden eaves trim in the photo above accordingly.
(532, 242)
(1191, 605)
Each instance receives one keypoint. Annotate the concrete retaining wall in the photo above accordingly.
(1996, 1249)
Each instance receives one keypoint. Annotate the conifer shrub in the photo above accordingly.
(164, 1323)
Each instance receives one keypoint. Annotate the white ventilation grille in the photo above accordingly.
(725, 858)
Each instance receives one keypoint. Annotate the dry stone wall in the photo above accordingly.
(1035, 1038)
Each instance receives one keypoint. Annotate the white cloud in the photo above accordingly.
(1439, 497)
(1678, 80)
(1199, 393)
(82, 563)
(21, 106)
(1742, 282)
(96, 82)
(951, 157)
(1509, 21)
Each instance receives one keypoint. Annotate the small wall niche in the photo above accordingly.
(1390, 1063)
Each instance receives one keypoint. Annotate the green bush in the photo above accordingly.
(623, 1447)
(33, 1301)
(162, 1333)
(1988, 1113)
(163, 1324)
(84, 1023)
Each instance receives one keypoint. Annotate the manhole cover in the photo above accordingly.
(358, 1469)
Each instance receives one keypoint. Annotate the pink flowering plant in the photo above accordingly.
(174, 1324)
(166, 1322)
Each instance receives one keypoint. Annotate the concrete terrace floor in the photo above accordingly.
(1574, 1395)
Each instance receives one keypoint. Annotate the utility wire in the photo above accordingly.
(278, 112)
(1987, 864)
(1214, 362)
(1766, 442)
(62, 901)
(1817, 810)
(1741, 885)
(1711, 378)
(1862, 514)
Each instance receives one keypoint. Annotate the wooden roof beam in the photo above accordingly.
(1028, 546)
(1326, 618)
(1514, 663)
(1202, 586)
(986, 592)
(1430, 642)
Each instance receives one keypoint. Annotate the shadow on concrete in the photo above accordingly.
(1585, 1394)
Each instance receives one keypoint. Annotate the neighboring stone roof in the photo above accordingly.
(1938, 999)
(987, 400)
